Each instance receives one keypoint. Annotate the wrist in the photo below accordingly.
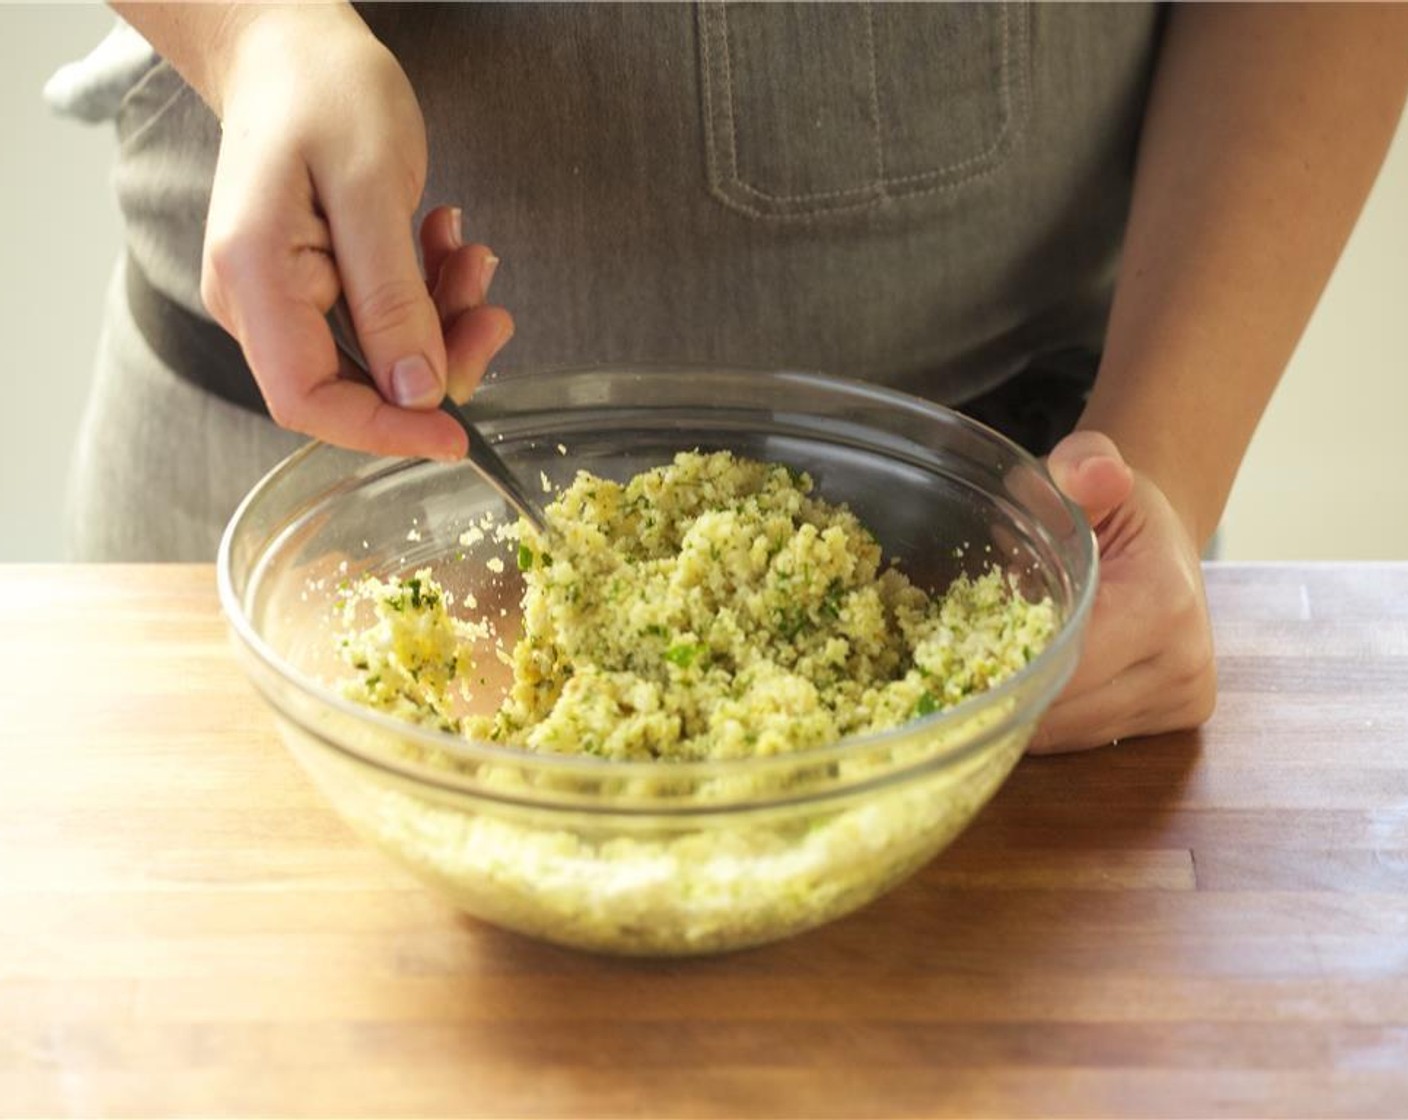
(211, 68)
(208, 43)
(251, 36)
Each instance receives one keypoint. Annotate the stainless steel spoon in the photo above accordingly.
(481, 456)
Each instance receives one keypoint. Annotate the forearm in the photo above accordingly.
(201, 40)
(1265, 129)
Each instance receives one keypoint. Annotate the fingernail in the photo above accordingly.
(505, 333)
(414, 384)
(457, 225)
(486, 273)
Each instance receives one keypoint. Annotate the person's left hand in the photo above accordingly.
(1147, 663)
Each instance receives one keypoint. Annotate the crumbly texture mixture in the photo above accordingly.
(708, 609)
(711, 609)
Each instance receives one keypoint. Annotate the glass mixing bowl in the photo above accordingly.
(652, 857)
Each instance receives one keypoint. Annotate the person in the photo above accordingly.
(1099, 228)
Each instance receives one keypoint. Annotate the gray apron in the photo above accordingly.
(929, 196)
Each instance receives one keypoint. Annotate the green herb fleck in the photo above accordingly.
(792, 621)
(421, 596)
(683, 655)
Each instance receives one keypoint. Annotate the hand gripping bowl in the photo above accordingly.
(653, 858)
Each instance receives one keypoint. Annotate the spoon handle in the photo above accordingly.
(497, 473)
(481, 456)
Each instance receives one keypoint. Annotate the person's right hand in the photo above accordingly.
(322, 165)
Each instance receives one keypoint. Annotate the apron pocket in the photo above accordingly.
(816, 109)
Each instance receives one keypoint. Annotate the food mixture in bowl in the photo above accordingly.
(708, 609)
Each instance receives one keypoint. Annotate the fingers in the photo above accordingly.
(459, 277)
(397, 324)
(441, 233)
(1145, 699)
(1095, 717)
(350, 408)
(1120, 633)
(1146, 665)
(1089, 469)
(287, 342)
(474, 333)
(268, 279)
(471, 341)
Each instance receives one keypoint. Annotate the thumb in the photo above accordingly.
(1088, 468)
(397, 324)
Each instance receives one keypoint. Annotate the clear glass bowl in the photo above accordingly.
(653, 858)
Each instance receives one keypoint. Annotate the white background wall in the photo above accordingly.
(1327, 475)
(59, 235)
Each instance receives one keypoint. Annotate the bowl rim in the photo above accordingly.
(482, 752)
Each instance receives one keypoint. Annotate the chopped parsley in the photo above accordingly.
(684, 654)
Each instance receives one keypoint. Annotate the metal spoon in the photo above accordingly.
(481, 456)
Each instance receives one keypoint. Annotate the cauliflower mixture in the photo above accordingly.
(711, 609)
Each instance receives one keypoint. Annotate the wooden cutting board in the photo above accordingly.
(1199, 924)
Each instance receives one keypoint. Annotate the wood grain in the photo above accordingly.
(1202, 924)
